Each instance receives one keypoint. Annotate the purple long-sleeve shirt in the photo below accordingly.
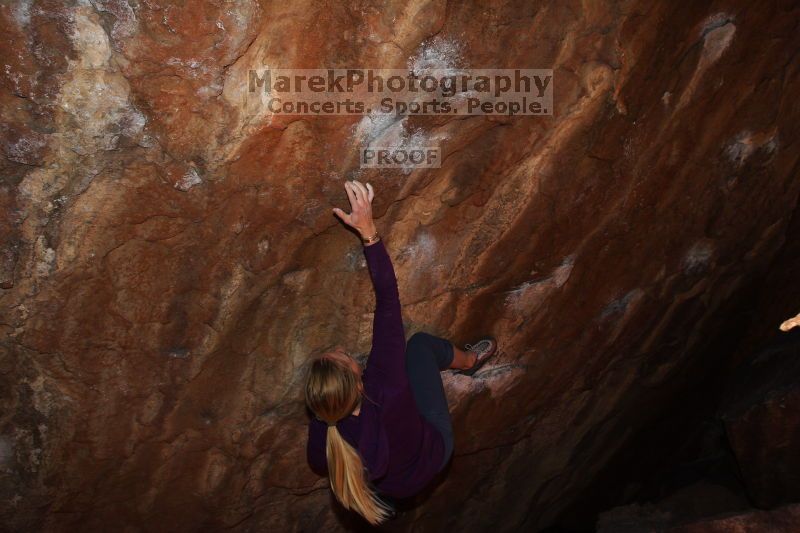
(401, 450)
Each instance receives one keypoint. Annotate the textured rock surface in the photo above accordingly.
(170, 260)
(782, 520)
(763, 423)
(688, 505)
(637, 520)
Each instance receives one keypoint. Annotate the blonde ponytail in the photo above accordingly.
(332, 392)
(349, 481)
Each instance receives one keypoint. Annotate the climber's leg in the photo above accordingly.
(426, 356)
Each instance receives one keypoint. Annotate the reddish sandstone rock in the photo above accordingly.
(766, 440)
(720, 511)
(762, 422)
(688, 504)
(170, 259)
(783, 520)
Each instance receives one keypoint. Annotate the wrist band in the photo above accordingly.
(370, 240)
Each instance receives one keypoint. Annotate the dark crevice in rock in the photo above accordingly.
(686, 464)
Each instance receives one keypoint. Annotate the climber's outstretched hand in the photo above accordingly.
(360, 217)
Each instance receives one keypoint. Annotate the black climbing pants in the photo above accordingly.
(426, 356)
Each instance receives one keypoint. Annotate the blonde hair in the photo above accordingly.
(332, 393)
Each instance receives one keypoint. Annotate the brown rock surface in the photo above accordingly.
(170, 260)
(688, 505)
(781, 520)
(763, 423)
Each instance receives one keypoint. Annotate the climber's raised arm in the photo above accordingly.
(387, 356)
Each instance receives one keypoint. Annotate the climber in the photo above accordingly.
(394, 443)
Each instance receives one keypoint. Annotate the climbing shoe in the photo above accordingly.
(484, 349)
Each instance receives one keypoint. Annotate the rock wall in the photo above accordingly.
(170, 260)
(781, 520)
